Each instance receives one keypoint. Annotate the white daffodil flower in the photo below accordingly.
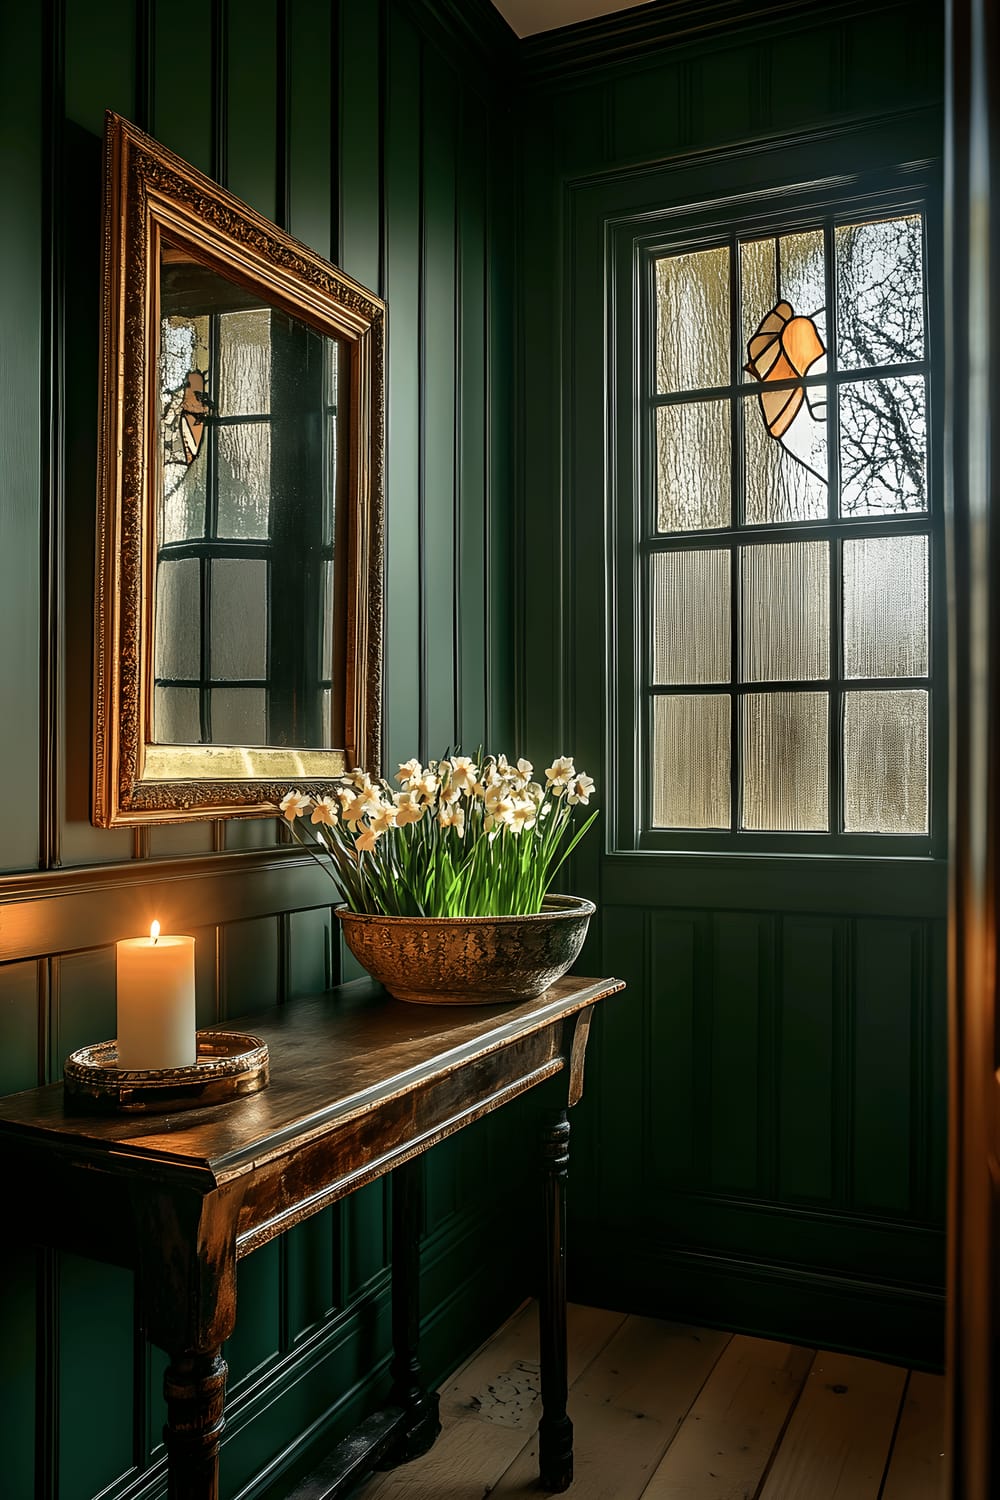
(384, 818)
(580, 789)
(408, 771)
(325, 811)
(293, 805)
(409, 808)
(560, 773)
(366, 840)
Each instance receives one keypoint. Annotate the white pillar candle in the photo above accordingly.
(156, 1016)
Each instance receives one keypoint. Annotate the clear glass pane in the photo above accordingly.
(239, 716)
(245, 363)
(693, 466)
(885, 762)
(885, 607)
(691, 605)
(176, 719)
(239, 619)
(790, 269)
(177, 652)
(786, 612)
(883, 446)
(880, 293)
(786, 479)
(692, 321)
(691, 756)
(785, 762)
(244, 458)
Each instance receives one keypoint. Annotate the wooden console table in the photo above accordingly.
(360, 1085)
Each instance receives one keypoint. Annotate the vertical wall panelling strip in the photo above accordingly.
(282, 175)
(472, 575)
(422, 731)
(143, 66)
(25, 124)
(310, 125)
(52, 408)
(402, 646)
(439, 171)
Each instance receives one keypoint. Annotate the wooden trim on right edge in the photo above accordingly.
(973, 505)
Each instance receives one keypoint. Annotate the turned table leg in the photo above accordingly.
(409, 1390)
(195, 1388)
(555, 1430)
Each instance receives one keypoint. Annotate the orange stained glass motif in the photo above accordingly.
(785, 347)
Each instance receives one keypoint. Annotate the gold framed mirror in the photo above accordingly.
(240, 505)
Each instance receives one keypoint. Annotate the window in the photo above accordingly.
(785, 557)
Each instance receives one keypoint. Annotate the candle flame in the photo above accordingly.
(154, 931)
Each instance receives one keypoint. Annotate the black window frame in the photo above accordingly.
(636, 244)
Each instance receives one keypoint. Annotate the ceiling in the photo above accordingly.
(528, 17)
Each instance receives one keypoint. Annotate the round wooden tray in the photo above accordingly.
(230, 1064)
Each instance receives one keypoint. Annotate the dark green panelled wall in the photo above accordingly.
(762, 1144)
(372, 132)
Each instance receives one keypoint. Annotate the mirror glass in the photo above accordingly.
(241, 465)
(252, 420)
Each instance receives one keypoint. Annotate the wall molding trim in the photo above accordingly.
(648, 30)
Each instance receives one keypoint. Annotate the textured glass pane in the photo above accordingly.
(692, 321)
(326, 645)
(176, 718)
(880, 293)
(691, 599)
(885, 607)
(693, 466)
(244, 454)
(184, 379)
(786, 612)
(790, 269)
(239, 619)
(785, 763)
(238, 716)
(177, 652)
(883, 446)
(245, 363)
(786, 480)
(690, 776)
(885, 762)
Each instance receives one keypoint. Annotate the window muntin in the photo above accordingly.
(786, 571)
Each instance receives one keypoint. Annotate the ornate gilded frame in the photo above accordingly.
(148, 192)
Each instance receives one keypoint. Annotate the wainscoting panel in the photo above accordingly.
(369, 129)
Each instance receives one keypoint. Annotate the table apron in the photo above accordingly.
(283, 1192)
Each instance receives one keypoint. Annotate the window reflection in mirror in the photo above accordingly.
(250, 502)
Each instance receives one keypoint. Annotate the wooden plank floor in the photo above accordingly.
(668, 1412)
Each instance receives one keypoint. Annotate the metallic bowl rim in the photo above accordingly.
(568, 907)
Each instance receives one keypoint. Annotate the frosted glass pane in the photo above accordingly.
(176, 717)
(239, 619)
(177, 652)
(693, 466)
(786, 480)
(244, 459)
(690, 775)
(239, 716)
(880, 293)
(692, 321)
(790, 269)
(885, 762)
(883, 446)
(786, 612)
(885, 607)
(184, 379)
(691, 605)
(245, 363)
(785, 762)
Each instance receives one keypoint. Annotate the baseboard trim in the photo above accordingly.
(882, 1320)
